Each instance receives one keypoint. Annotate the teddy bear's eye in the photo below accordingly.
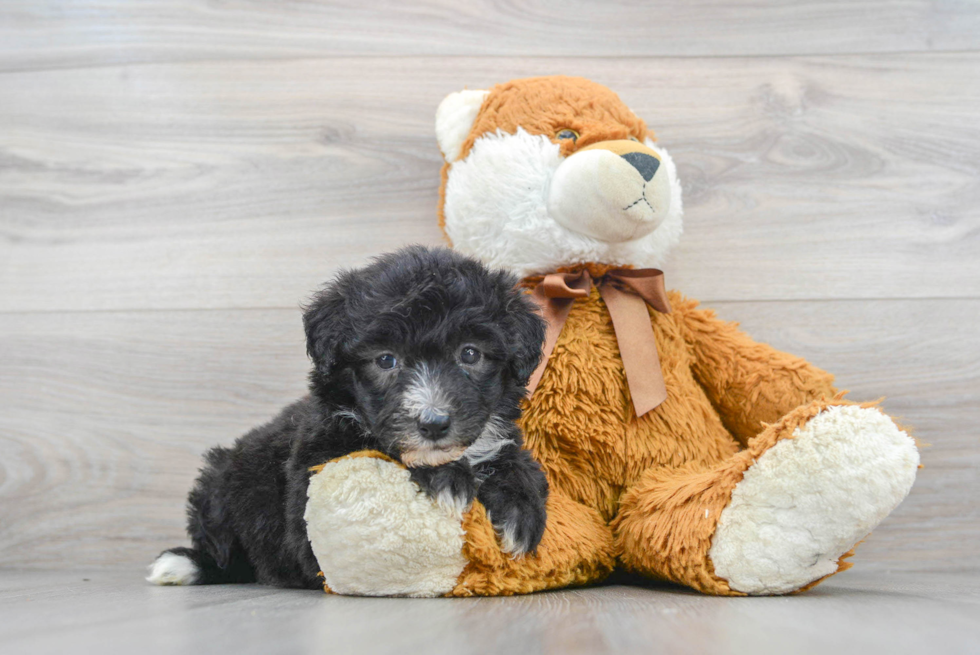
(567, 134)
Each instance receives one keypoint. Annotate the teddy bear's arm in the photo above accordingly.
(748, 382)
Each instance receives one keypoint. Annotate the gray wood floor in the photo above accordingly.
(111, 612)
(176, 177)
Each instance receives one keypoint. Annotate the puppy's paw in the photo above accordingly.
(451, 485)
(514, 493)
(520, 524)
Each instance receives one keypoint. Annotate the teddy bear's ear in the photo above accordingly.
(454, 119)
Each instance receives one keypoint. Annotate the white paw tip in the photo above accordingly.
(456, 504)
(173, 569)
(807, 500)
(509, 543)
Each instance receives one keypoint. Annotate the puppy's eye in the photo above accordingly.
(386, 361)
(470, 355)
(567, 134)
(633, 138)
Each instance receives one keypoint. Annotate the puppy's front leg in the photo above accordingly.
(452, 485)
(515, 492)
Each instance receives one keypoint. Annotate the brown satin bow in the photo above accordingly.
(626, 293)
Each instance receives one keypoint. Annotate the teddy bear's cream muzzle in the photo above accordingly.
(614, 191)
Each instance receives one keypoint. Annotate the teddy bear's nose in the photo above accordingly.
(645, 164)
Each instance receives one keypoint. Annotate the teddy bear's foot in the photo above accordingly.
(776, 517)
(375, 533)
(810, 498)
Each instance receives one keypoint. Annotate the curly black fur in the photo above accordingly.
(450, 418)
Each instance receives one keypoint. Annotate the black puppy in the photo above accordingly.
(423, 355)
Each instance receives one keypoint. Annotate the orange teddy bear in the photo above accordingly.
(675, 446)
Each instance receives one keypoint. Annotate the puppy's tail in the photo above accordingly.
(186, 566)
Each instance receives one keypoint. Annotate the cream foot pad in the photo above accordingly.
(809, 499)
(374, 533)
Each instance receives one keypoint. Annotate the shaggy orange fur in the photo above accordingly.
(577, 548)
(542, 105)
(652, 478)
(645, 493)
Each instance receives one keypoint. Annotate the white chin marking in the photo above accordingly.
(172, 569)
(807, 500)
(496, 210)
(430, 457)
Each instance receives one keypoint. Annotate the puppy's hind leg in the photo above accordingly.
(181, 566)
(186, 566)
(217, 556)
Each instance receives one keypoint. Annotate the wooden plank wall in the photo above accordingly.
(177, 176)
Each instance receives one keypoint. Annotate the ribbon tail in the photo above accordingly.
(637, 347)
(554, 297)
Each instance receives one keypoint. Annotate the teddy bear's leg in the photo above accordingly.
(374, 533)
(780, 515)
(576, 549)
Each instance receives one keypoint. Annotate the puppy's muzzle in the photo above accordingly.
(432, 442)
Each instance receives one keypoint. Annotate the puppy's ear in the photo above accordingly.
(526, 329)
(326, 321)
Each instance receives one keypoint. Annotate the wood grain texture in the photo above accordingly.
(37, 35)
(177, 176)
(82, 611)
(104, 415)
(245, 184)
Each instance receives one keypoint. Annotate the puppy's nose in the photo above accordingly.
(644, 163)
(434, 427)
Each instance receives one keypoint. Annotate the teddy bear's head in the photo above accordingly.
(551, 172)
